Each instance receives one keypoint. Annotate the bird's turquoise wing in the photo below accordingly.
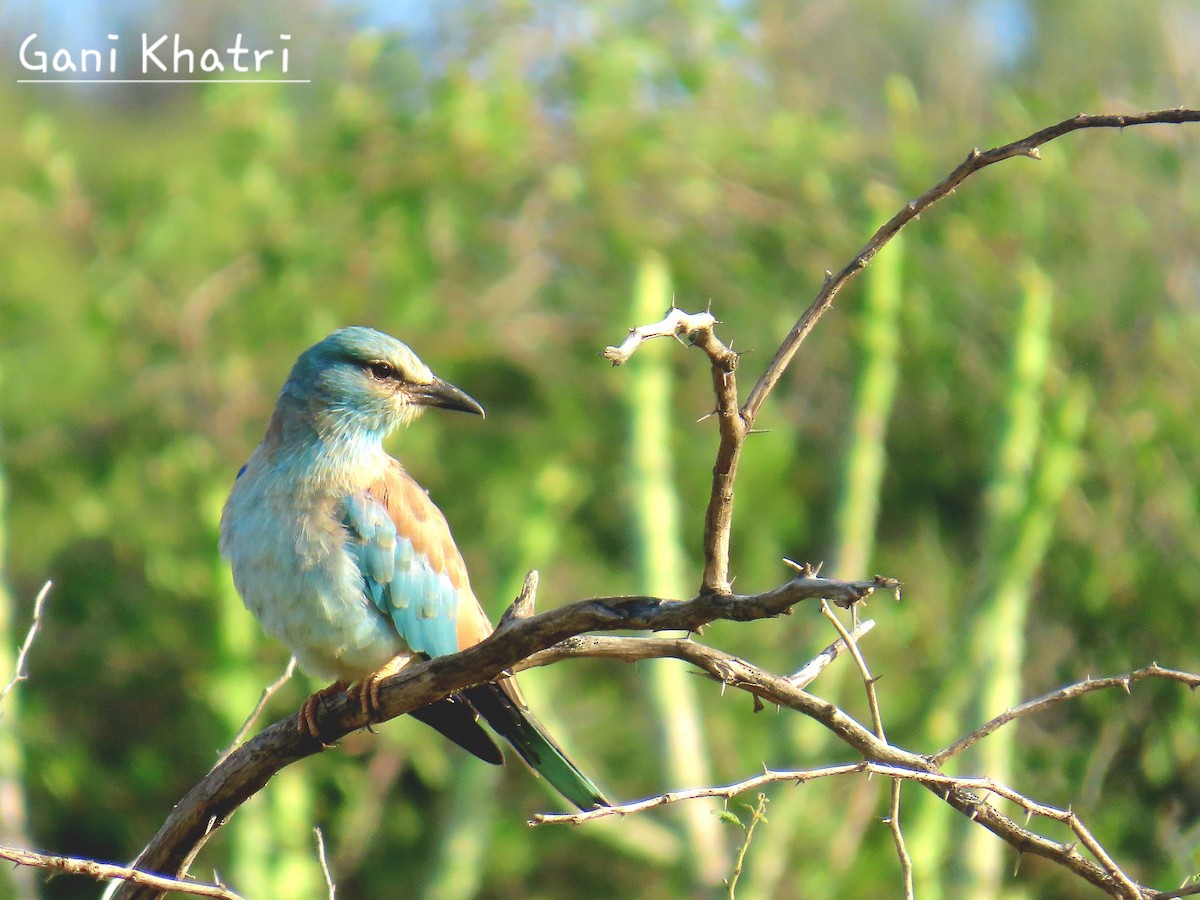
(406, 582)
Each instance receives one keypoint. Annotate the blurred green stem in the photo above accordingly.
(1032, 474)
(465, 834)
(857, 511)
(997, 638)
(874, 397)
(660, 568)
(14, 830)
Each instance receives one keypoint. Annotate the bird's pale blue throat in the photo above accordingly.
(343, 557)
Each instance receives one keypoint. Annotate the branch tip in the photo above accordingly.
(523, 606)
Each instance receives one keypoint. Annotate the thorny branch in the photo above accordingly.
(1154, 670)
(893, 818)
(1118, 884)
(247, 770)
(1027, 146)
(967, 795)
(521, 635)
(106, 872)
(697, 329)
(735, 422)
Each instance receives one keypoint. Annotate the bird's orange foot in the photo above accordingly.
(367, 690)
(307, 723)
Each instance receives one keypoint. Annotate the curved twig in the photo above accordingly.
(1027, 146)
(1125, 682)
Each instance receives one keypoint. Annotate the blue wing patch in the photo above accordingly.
(421, 602)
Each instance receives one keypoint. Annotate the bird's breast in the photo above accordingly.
(292, 565)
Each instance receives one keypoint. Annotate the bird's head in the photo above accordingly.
(360, 382)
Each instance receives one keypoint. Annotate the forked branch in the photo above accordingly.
(248, 768)
(521, 636)
(698, 328)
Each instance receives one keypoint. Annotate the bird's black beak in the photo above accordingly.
(444, 395)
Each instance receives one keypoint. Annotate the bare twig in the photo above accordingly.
(19, 670)
(725, 792)
(107, 872)
(806, 675)
(976, 160)
(1187, 890)
(893, 823)
(330, 887)
(638, 649)
(1125, 682)
(676, 323)
(893, 819)
(268, 692)
(937, 781)
(698, 329)
(868, 681)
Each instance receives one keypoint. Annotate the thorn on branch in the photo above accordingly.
(807, 570)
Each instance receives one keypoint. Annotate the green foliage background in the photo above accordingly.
(488, 189)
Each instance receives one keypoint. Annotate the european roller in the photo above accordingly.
(342, 556)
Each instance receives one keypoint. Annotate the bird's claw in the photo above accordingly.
(306, 722)
(367, 693)
(367, 690)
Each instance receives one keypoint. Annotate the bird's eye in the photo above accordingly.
(382, 371)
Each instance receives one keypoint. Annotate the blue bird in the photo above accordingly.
(343, 558)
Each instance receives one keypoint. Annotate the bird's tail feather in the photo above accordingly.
(501, 707)
(456, 720)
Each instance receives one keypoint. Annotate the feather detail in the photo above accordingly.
(411, 568)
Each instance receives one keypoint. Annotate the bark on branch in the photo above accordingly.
(247, 769)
